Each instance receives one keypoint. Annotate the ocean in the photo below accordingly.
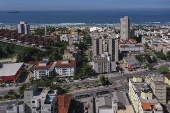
(86, 18)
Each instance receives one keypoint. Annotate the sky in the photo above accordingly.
(19, 5)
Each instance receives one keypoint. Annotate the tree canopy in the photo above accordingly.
(163, 69)
(104, 80)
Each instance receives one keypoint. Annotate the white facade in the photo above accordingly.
(48, 104)
(43, 69)
(131, 48)
(23, 28)
(99, 29)
(65, 71)
(64, 38)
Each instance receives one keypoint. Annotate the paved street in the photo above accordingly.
(3, 106)
(4, 91)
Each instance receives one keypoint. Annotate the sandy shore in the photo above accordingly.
(36, 26)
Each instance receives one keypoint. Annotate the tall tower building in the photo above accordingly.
(125, 28)
(45, 29)
(23, 28)
(109, 45)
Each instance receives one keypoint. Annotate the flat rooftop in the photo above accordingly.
(120, 96)
(143, 87)
(159, 83)
(42, 93)
(131, 60)
(10, 69)
(30, 87)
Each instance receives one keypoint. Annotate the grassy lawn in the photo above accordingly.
(69, 91)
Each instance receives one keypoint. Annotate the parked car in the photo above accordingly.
(86, 109)
(115, 89)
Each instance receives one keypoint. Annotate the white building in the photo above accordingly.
(36, 100)
(23, 28)
(142, 97)
(103, 63)
(130, 45)
(97, 29)
(64, 38)
(43, 68)
(44, 100)
(65, 67)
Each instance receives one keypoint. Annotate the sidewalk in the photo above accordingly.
(6, 101)
(111, 75)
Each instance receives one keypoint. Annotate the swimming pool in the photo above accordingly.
(11, 107)
(49, 98)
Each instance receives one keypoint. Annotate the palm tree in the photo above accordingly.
(11, 92)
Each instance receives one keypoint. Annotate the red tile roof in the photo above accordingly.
(124, 45)
(132, 40)
(72, 63)
(122, 40)
(41, 43)
(34, 62)
(139, 45)
(147, 106)
(34, 42)
(64, 103)
(167, 75)
(27, 40)
(156, 45)
(43, 67)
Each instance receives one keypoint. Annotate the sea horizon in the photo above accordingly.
(86, 17)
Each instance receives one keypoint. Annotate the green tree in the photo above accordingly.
(154, 59)
(11, 92)
(168, 55)
(90, 55)
(163, 69)
(146, 45)
(79, 31)
(139, 58)
(56, 79)
(161, 55)
(77, 85)
(32, 79)
(148, 58)
(102, 80)
(150, 66)
(6, 96)
(58, 88)
(62, 79)
(96, 83)
(1, 52)
(69, 78)
(22, 88)
(87, 70)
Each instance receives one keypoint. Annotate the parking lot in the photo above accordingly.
(82, 103)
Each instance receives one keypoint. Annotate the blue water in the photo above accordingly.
(11, 107)
(49, 98)
(85, 18)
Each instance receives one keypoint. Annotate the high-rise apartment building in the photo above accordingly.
(45, 29)
(23, 28)
(105, 43)
(125, 28)
(142, 97)
(158, 87)
(105, 52)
